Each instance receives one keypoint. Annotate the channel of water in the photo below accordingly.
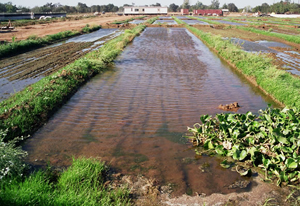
(135, 115)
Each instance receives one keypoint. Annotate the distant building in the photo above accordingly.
(145, 10)
(184, 12)
(208, 12)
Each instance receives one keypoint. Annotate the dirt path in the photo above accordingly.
(41, 30)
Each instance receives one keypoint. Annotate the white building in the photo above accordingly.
(145, 10)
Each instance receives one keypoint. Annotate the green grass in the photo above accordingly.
(27, 110)
(16, 47)
(279, 84)
(81, 184)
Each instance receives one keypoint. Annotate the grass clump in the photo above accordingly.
(270, 141)
(27, 110)
(81, 184)
(88, 29)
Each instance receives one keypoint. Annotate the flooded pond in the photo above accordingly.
(289, 59)
(135, 115)
(137, 21)
(168, 22)
(229, 22)
(19, 71)
(193, 22)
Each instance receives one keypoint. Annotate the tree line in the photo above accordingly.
(282, 7)
(57, 7)
(215, 4)
(279, 8)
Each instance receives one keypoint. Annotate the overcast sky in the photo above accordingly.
(238, 3)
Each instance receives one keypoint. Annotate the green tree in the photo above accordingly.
(82, 8)
(232, 7)
(10, 8)
(173, 7)
(225, 6)
(215, 4)
(2, 8)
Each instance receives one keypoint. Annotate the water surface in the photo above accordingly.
(135, 115)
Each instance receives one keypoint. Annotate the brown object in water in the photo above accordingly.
(231, 107)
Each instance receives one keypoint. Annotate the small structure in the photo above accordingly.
(29, 15)
(145, 10)
(8, 27)
(184, 12)
(208, 12)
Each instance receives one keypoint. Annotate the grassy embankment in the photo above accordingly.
(33, 42)
(26, 111)
(270, 140)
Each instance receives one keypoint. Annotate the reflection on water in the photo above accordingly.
(135, 115)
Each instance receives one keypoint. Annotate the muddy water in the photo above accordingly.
(135, 115)
(19, 71)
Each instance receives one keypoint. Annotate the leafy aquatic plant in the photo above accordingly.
(270, 141)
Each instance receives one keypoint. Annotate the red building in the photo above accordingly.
(208, 12)
(184, 12)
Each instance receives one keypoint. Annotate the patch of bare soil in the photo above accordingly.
(41, 30)
(259, 195)
(145, 191)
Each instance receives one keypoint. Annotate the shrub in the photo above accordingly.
(11, 159)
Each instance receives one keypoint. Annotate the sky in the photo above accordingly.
(238, 3)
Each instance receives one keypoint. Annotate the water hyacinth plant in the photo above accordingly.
(270, 141)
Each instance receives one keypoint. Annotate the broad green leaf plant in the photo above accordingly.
(270, 140)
